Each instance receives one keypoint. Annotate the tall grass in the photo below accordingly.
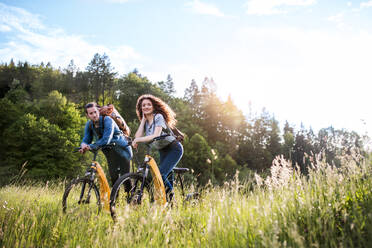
(330, 207)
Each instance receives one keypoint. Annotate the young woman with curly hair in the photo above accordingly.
(156, 119)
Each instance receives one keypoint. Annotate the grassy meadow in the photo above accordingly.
(330, 207)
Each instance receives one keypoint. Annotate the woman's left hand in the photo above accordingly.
(134, 144)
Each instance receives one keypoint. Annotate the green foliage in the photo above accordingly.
(58, 111)
(17, 95)
(226, 168)
(9, 113)
(331, 207)
(167, 86)
(288, 141)
(43, 136)
(101, 76)
(245, 143)
(44, 146)
(198, 157)
(186, 122)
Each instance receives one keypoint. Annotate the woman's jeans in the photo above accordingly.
(169, 158)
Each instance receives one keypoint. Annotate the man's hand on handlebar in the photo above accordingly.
(84, 148)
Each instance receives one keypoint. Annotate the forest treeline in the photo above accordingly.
(42, 120)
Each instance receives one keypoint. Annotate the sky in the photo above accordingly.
(304, 61)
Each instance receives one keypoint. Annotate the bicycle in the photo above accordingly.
(83, 192)
(140, 187)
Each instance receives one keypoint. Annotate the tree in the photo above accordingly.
(303, 148)
(68, 84)
(234, 124)
(274, 143)
(332, 143)
(101, 76)
(167, 86)
(198, 156)
(7, 74)
(186, 122)
(192, 93)
(289, 141)
(256, 141)
(57, 110)
(45, 148)
(46, 80)
(43, 134)
(226, 168)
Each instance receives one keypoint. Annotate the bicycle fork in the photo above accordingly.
(143, 183)
(87, 200)
(91, 175)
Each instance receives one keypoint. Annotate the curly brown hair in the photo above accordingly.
(159, 107)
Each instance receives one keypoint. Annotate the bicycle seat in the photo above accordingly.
(180, 170)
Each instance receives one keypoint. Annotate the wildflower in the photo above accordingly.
(259, 180)
(281, 172)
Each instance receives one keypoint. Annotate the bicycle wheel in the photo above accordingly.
(127, 190)
(81, 195)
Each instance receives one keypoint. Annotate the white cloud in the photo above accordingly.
(205, 8)
(33, 42)
(365, 4)
(272, 7)
(117, 1)
(338, 19)
(5, 28)
(19, 18)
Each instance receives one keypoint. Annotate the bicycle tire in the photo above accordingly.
(131, 194)
(78, 196)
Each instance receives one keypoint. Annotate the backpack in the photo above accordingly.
(175, 132)
(109, 110)
(178, 134)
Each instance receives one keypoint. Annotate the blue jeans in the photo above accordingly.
(169, 158)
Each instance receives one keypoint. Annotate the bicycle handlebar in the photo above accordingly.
(112, 145)
(108, 146)
(159, 137)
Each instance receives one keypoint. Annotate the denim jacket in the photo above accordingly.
(110, 134)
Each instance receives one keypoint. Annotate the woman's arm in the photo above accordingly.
(141, 129)
(148, 138)
(159, 123)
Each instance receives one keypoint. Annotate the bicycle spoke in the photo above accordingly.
(81, 195)
(82, 192)
(127, 191)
